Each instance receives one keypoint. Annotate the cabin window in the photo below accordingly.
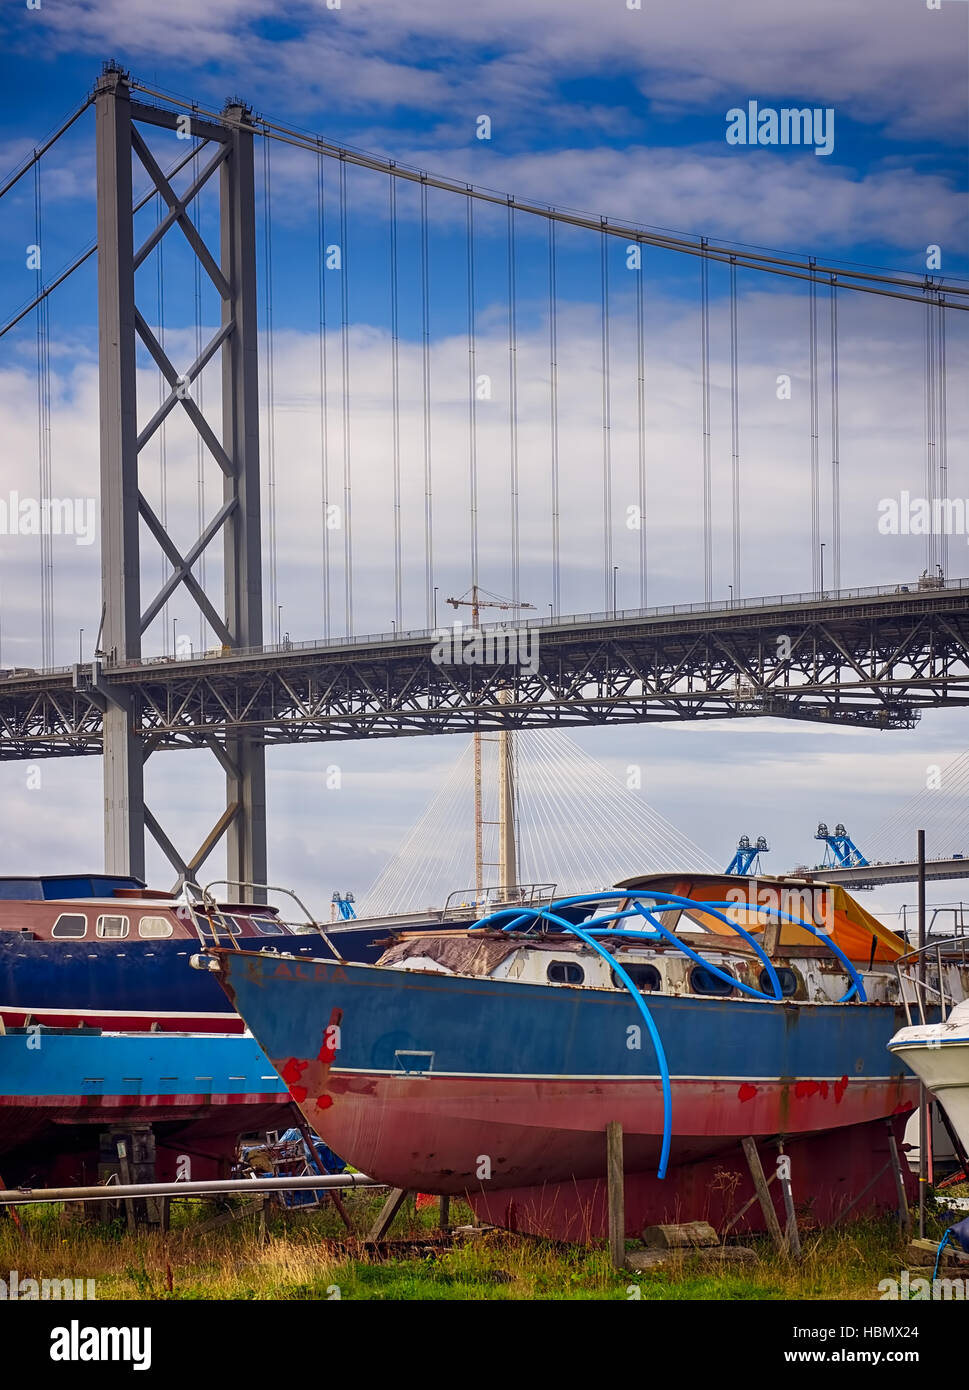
(219, 926)
(268, 926)
(785, 978)
(113, 927)
(71, 924)
(643, 975)
(155, 926)
(703, 981)
(564, 972)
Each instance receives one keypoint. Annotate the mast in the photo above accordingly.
(507, 850)
(478, 820)
(507, 856)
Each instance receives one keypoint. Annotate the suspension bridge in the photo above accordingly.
(497, 387)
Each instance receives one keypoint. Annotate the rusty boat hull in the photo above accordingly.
(502, 1091)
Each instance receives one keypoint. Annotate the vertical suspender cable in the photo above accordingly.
(345, 340)
(426, 385)
(735, 426)
(472, 396)
(395, 389)
(513, 405)
(815, 459)
(554, 415)
(324, 404)
(199, 400)
(931, 489)
(43, 442)
(705, 425)
(835, 442)
(606, 423)
(641, 420)
(942, 431)
(274, 624)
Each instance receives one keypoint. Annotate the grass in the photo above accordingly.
(306, 1256)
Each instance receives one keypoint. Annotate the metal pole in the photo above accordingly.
(13, 1197)
(507, 855)
(923, 1094)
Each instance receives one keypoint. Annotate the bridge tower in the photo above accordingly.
(225, 149)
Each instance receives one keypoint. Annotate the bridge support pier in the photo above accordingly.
(224, 148)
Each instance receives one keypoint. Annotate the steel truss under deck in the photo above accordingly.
(874, 662)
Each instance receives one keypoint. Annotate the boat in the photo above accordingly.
(61, 1089)
(696, 1010)
(105, 951)
(934, 982)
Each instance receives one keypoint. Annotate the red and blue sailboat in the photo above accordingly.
(488, 1062)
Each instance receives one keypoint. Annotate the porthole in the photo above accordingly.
(785, 978)
(564, 972)
(644, 976)
(703, 981)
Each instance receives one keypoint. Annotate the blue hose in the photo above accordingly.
(938, 1254)
(664, 1071)
(508, 920)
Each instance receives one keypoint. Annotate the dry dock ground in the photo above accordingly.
(309, 1256)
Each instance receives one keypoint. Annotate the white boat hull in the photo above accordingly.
(938, 1053)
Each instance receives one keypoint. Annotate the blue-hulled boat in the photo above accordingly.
(489, 1061)
(59, 1088)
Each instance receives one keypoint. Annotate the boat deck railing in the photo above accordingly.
(927, 978)
(490, 899)
(214, 923)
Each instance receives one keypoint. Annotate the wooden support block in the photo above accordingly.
(686, 1235)
(445, 1219)
(763, 1194)
(395, 1200)
(922, 1252)
(616, 1194)
(642, 1260)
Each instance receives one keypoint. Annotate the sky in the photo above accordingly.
(602, 106)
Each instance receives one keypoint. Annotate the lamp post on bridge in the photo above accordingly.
(615, 578)
(821, 594)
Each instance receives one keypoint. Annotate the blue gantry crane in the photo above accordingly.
(746, 858)
(345, 903)
(840, 851)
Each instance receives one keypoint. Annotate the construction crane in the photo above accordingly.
(746, 859)
(507, 858)
(840, 850)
